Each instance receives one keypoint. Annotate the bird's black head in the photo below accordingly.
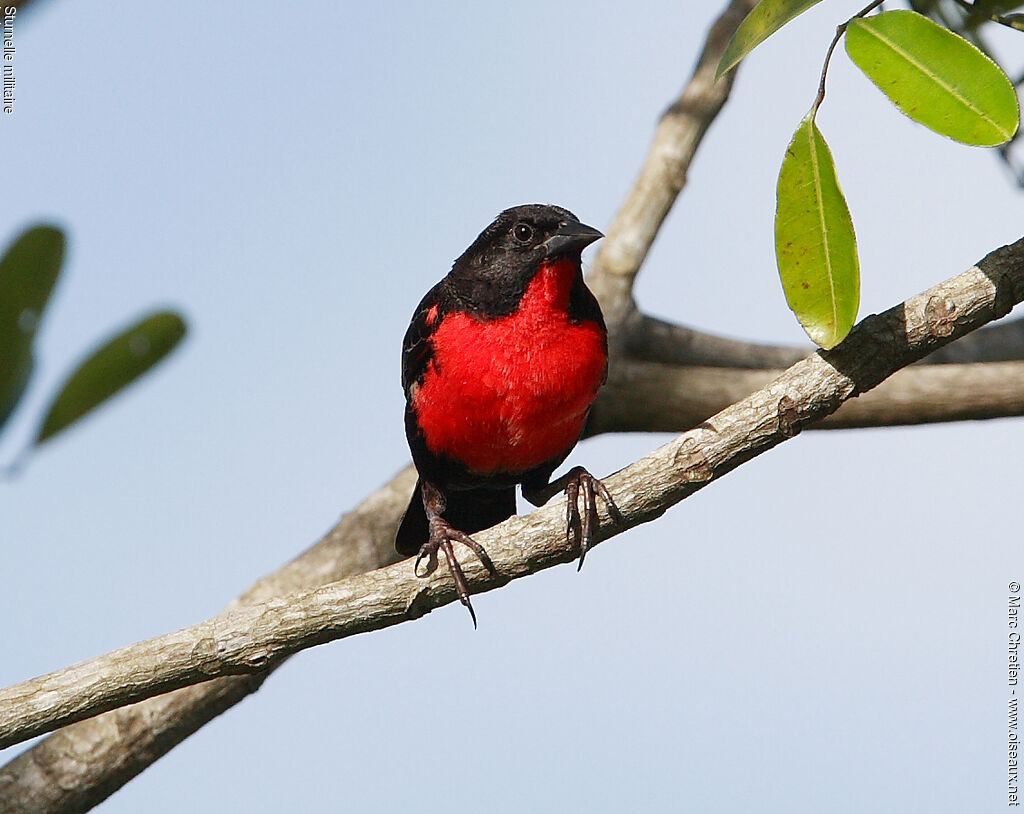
(492, 274)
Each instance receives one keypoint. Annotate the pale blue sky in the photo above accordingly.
(824, 629)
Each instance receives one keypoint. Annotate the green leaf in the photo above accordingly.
(14, 385)
(28, 273)
(935, 77)
(111, 367)
(765, 19)
(815, 246)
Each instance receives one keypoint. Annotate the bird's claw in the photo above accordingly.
(442, 535)
(582, 528)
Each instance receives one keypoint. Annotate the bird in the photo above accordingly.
(501, 363)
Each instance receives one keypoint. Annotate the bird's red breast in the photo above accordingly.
(508, 394)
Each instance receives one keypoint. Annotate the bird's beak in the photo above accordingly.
(570, 237)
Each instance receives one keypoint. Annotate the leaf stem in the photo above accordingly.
(840, 30)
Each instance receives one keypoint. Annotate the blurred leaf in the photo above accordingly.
(28, 272)
(935, 77)
(14, 388)
(114, 365)
(765, 19)
(815, 246)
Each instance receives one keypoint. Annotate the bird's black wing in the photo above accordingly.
(583, 307)
(417, 349)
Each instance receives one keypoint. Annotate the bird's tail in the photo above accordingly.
(470, 511)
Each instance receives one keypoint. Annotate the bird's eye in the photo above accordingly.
(523, 232)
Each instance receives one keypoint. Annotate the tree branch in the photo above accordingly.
(649, 397)
(81, 765)
(682, 127)
(247, 638)
(649, 339)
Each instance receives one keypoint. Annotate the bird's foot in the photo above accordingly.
(442, 535)
(579, 480)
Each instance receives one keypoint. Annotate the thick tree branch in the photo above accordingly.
(81, 765)
(248, 638)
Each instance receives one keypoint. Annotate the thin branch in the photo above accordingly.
(632, 232)
(248, 638)
(649, 339)
(650, 397)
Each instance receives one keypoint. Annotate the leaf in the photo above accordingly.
(765, 19)
(28, 273)
(111, 367)
(14, 387)
(815, 246)
(935, 77)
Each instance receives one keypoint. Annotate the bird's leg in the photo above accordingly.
(442, 535)
(573, 482)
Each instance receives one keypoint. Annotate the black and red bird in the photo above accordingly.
(500, 366)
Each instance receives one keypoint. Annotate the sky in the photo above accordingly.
(825, 628)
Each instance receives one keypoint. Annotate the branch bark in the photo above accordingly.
(248, 638)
